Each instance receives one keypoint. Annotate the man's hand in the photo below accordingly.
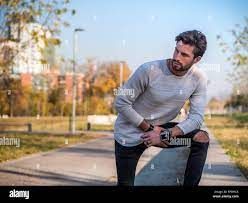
(162, 145)
(152, 138)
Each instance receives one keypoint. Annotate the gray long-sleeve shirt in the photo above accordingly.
(155, 94)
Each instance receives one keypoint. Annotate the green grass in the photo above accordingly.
(34, 143)
(232, 132)
(30, 144)
(242, 118)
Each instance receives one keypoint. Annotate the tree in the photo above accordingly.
(13, 101)
(56, 99)
(3, 103)
(238, 56)
(100, 81)
(239, 102)
(17, 14)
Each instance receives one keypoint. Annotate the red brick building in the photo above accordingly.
(57, 80)
(26, 79)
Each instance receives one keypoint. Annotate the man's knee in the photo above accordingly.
(201, 136)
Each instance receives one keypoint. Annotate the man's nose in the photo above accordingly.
(178, 57)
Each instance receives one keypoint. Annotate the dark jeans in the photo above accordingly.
(128, 157)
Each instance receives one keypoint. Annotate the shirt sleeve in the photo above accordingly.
(198, 101)
(135, 86)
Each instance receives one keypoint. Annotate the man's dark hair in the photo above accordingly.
(194, 38)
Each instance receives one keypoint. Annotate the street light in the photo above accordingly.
(121, 72)
(74, 92)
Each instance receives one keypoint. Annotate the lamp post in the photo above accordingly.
(74, 96)
(121, 64)
(121, 73)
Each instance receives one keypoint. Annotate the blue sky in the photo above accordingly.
(138, 31)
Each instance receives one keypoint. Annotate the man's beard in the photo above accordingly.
(177, 66)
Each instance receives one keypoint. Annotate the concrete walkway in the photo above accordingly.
(93, 163)
(169, 166)
(220, 169)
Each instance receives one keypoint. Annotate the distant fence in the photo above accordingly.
(100, 120)
(28, 125)
(57, 124)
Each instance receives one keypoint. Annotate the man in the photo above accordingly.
(160, 90)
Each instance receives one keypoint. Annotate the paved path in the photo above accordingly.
(170, 164)
(219, 169)
(93, 163)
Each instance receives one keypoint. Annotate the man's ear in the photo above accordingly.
(197, 59)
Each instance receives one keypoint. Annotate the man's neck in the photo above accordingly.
(174, 72)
